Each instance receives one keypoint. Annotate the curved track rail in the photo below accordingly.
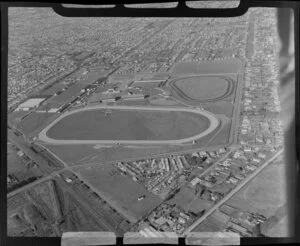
(214, 123)
(182, 96)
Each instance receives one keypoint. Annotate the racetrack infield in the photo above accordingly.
(125, 124)
(128, 125)
(202, 89)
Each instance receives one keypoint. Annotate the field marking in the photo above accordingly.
(214, 123)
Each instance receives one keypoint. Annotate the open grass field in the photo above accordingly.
(128, 125)
(34, 122)
(120, 191)
(187, 200)
(198, 205)
(16, 165)
(207, 67)
(81, 154)
(221, 107)
(212, 224)
(146, 84)
(265, 193)
(139, 102)
(14, 162)
(163, 102)
(223, 136)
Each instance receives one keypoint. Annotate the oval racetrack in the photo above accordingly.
(213, 124)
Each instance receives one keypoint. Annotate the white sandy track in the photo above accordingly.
(214, 123)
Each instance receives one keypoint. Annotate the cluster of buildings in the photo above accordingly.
(30, 104)
(159, 176)
(227, 174)
(134, 90)
(113, 95)
(163, 175)
(170, 218)
(203, 159)
(79, 98)
(151, 44)
(33, 74)
(218, 40)
(44, 58)
(241, 222)
(191, 40)
(260, 122)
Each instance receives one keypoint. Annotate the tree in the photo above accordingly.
(194, 161)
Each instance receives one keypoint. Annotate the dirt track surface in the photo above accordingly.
(214, 123)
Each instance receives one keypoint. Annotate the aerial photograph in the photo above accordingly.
(144, 125)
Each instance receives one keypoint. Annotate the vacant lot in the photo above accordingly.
(16, 116)
(214, 223)
(118, 190)
(265, 193)
(259, 194)
(202, 87)
(208, 67)
(146, 84)
(209, 225)
(221, 107)
(223, 136)
(124, 124)
(16, 165)
(187, 200)
(14, 162)
(49, 209)
(32, 212)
